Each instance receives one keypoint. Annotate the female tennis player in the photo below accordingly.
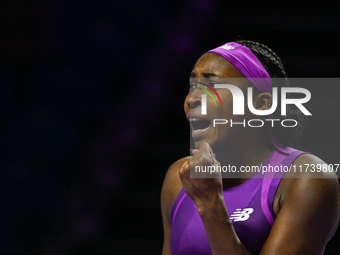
(251, 214)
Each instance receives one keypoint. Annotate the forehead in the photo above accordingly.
(215, 64)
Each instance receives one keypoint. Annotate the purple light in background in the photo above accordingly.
(85, 225)
(129, 136)
(181, 42)
(202, 5)
(155, 89)
(108, 178)
(102, 31)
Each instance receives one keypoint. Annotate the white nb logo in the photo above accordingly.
(241, 215)
(227, 47)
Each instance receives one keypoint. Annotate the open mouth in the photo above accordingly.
(198, 124)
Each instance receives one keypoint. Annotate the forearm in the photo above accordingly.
(219, 229)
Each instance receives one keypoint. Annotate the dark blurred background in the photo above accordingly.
(92, 109)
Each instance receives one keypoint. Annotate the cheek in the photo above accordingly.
(186, 104)
(226, 109)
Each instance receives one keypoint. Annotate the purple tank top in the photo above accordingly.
(249, 205)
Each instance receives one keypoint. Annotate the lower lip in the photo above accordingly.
(198, 133)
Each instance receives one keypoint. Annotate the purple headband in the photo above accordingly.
(247, 63)
(244, 60)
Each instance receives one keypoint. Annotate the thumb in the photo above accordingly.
(193, 151)
(206, 149)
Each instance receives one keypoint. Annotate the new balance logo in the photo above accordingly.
(227, 47)
(241, 215)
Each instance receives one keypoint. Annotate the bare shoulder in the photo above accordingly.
(313, 170)
(312, 176)
(316, 188)
(172, 185)
(314, 167)
(307, 208)
(311, 186)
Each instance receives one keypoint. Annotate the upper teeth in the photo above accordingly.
(195, 119)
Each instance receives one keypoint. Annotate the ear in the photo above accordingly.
(263, 101)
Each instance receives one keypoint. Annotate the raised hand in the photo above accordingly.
(206, 189)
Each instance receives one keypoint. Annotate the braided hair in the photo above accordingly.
(273, 64)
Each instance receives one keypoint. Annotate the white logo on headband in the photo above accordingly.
(227, 47)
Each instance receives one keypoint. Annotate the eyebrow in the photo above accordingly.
(206, 75)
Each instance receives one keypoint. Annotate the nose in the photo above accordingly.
(193, 99)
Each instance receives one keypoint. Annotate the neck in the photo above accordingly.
(251, 153)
